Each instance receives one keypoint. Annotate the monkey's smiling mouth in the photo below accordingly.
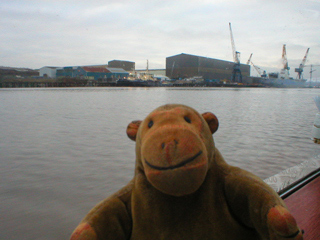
(174, 166)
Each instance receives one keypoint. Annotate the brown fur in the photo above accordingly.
(183, 189)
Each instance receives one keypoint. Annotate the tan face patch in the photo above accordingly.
(176, 117)
(173, 153)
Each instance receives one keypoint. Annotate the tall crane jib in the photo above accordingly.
(248, 62)
(299, 70)
(236, 72)
(284, 58)
(262, 74)
(284, 72)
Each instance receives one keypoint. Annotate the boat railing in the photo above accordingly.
(292, 179)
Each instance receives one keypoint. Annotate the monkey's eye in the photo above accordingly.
(150, 124)
(187, 119)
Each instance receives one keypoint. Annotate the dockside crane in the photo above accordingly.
(259, 71)
(312, 69)
(299, 70)
(284, 72)
(248, 62)
(236, 73)
(264, 74)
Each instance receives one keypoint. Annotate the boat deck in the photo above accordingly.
(304, 204)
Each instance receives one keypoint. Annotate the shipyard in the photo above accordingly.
(181, 70)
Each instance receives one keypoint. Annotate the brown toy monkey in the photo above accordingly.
(183, 189)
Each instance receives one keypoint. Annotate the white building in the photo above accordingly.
(48, 72)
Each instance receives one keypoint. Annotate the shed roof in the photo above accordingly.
(49, 67)
(115, 60)
(117, 70)
(96, 69)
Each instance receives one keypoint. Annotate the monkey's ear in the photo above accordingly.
(212, 121)
(132, 129)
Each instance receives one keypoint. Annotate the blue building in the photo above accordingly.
(65, 72)
(93, 73)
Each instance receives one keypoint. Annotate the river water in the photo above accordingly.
(64, 150)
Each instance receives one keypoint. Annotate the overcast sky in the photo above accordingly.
(77, 32)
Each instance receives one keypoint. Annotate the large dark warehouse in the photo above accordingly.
(126, 65)
(187, 66)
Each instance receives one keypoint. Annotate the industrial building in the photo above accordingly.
(187, 66)
(48, 72)
(93, 73)
(126, 65)
(116, 69)
(117, 73)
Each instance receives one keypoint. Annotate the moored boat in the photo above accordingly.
(283, 79)
(285, 82)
